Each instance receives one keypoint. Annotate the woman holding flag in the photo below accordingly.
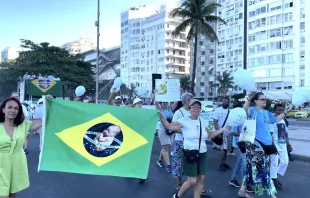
(13, 130)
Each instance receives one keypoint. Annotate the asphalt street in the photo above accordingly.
(299, 122)
(159, 185)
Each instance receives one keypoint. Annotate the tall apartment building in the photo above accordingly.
(147, 46)
(10, 53)
(278, 50)
(227, 54)
(79, 46)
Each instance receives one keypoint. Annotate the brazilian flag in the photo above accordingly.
(97, 139)
(39, 87)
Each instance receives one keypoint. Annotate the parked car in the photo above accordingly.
(207, 106)
(305, 113)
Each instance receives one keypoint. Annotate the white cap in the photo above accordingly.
(39, 101)
(136, 100)
(118, 97)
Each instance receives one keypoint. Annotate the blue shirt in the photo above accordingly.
(263, 119)
(236, 138)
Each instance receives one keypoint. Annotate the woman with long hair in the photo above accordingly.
(13, 131)
(258, 154)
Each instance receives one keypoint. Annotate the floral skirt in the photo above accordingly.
(176, 164)
(258, 171)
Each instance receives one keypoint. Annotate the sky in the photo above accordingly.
(60, 21)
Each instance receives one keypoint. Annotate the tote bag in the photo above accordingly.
(248, 130)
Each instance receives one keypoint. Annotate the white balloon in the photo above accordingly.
(301, 95)
(117, 89)
(243, 78)
(236, 117)
(80, 91)
(142, 92)
(118, 81)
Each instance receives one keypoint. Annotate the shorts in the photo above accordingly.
(197, 168)
(164, 138)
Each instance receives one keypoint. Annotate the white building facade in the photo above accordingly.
(79, 46)
(10, 53)
(147, 46)
(278, 49)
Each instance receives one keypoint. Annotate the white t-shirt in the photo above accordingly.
(25, 111)
(38, 113)
(220, 115)
(191, 133)
(279, 135)
(177, 116)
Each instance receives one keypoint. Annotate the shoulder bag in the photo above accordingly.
(219, 139)
(192, 156)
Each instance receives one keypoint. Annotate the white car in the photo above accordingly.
(207, 106)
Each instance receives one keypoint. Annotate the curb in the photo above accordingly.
(295, 156)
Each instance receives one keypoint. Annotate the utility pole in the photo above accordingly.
(97, 23)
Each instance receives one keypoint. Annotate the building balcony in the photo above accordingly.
(175, 55)
(175, 64)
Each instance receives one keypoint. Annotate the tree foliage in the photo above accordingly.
(49, 60)
(185, 83)
(198, 17)
(224, 82)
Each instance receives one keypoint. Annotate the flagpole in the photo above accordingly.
(97, 63)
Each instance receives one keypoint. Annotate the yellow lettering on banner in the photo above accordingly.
(73, 137)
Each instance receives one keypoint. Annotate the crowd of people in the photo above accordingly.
(33, 76)
(183, 135)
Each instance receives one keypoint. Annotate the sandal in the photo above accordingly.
(206, 192)
(243, 194)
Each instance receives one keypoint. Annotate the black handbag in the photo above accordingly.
(218, 140)
(268, 149)
(242, 147)
(192, 156)
(169, 132)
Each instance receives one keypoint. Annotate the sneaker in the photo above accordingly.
(234, 183)
(222, 167)
(168, 168)
(227, 167)
(232, 154)
(26, 151)
(160, 163)
(249, 189)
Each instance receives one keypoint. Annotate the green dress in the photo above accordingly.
(13, 163)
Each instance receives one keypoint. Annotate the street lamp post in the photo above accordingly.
(97, 63)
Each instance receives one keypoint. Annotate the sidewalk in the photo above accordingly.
(300, 141)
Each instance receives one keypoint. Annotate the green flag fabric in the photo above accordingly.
(97, 139)
(38, 87)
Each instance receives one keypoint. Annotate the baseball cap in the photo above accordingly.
(136, 100)
(191, 102)
(118, 97)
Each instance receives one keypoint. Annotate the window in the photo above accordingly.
(275, 72)
(275, 32)
(288, 30)
(302, 40)
(302, 25)
(288, 71)
(288, 17)
(302, 13)
(274, 59)
(260, 73)
(275, 45)
(287, 58)
(302, 54)
(251, 50)
(287, 44)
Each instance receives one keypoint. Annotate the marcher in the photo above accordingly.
(13, 130)
(258, 154)
(280, 138)
(195, 133)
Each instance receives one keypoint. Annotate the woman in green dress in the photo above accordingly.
(13, 163)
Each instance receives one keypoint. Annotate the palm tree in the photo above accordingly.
(198, 17)
(185, 82)
(224, 82)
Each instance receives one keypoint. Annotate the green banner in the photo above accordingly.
(97, 139)
(40, 87)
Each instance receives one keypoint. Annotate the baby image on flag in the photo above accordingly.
(103, 139)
